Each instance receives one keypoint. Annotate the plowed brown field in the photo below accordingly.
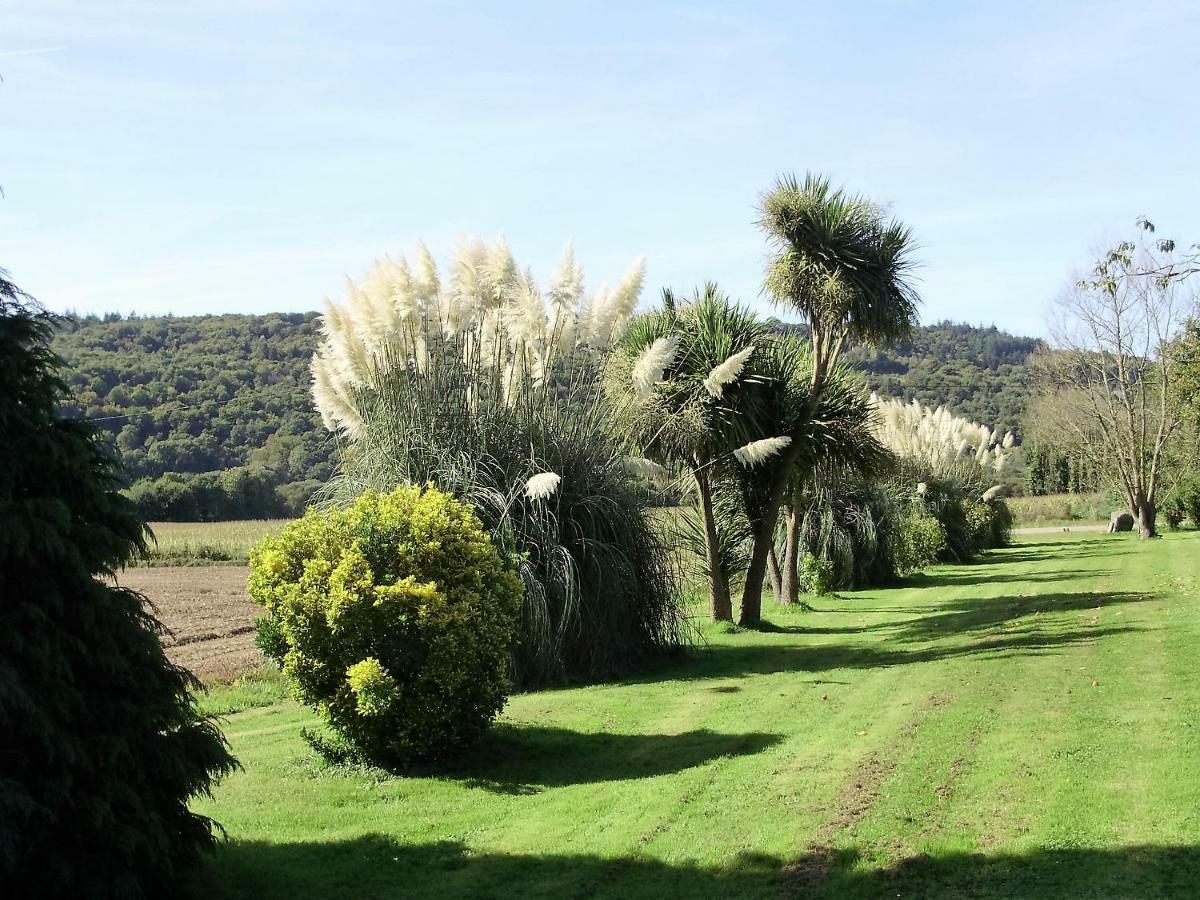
(210, 617)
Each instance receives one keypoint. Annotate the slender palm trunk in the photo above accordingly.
(764, 542)
(775, 575)
(719, 600)
(791, 556)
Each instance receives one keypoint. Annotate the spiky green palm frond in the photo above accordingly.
(839, 261)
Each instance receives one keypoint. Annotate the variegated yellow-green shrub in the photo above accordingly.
(394, 618)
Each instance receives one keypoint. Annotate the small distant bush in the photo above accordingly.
(1001, 524)
(1183, 502)
(1173, 515)
(394, 618)
(978, 516)
(970, 525)
(816, 575)
(919, 541)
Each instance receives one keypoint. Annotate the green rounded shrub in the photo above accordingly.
(919, 542)
(394, 618)
(1000, 524)
(816, 575)
(978, 516)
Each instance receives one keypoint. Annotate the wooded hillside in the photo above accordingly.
(228, 395)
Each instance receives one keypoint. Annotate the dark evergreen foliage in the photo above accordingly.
(100, 745)
(1058, 470)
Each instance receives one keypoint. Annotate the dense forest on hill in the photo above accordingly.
(975, 372)
(212, 415)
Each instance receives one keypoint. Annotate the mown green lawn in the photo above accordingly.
(1025, 727)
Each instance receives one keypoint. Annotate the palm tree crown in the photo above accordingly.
(840, 262)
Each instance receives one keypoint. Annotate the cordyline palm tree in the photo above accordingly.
(845, 268)
(680, 371)
(829, 435)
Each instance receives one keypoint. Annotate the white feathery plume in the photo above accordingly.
(495, 315)
(525, 321)
(465, 287)
(566, 288)
(563, 297)
(323, 392)
(464, 271)
(361, 314)
(727, 372)
(420, 354)
(336, 409)
(992, 493)
(542, 485)
(400, 284)
(939, 438)
(426, 284)
(489, 339)
(599, 315)
(346, 352)
(651, 363)
(757, 452)
(375, 316)
(499, 273)
(624, 300)
(648, 469)
(511, 377)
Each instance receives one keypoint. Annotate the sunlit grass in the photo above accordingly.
(1020, 727)
(1060, 509)
(207, 543)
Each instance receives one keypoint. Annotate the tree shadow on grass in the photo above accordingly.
(973, 614)
(970, 615)
(967, 627)
(949, 618)
(523, 759)
(960, 578)
(1057, 550)
(729, 661)
(378, 866)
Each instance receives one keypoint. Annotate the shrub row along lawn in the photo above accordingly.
(1023, 727)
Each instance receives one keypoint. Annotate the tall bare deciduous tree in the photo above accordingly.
(1113, 374)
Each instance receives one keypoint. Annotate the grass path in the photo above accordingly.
(1025, 727)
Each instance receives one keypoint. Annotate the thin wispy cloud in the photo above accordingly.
(32, 51)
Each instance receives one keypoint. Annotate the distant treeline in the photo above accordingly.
(976, 372)
(212, 416)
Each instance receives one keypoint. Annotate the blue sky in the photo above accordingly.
(244, 156)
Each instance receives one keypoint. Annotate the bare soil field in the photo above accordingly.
(210, 617)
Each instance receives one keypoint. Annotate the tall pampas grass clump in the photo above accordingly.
(486, 384)
(946, 446)
(950, 466)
